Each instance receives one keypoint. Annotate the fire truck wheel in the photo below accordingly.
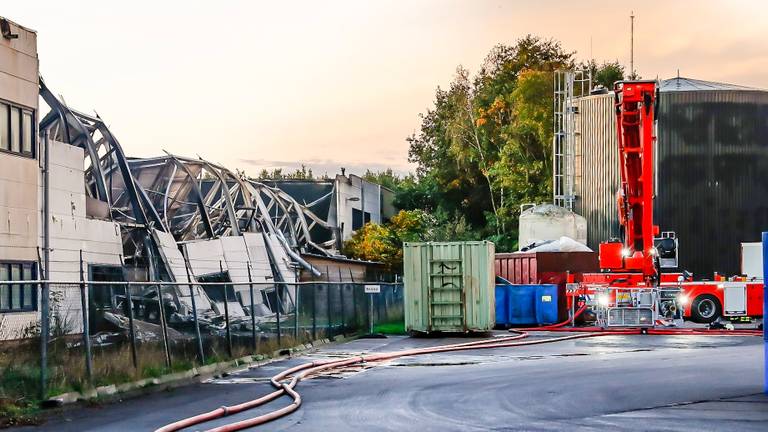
(705, 309)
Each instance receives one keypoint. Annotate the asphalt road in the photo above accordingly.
(607, 383)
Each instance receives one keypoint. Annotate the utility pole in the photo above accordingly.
(632, 45)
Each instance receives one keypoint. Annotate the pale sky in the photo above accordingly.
(254, 84)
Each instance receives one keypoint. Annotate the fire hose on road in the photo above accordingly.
(286, 381)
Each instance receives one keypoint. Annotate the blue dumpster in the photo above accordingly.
(502, 311)
(522, 304)
(502, 306)
(532, 304)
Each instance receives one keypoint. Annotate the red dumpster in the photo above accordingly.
(546, 268)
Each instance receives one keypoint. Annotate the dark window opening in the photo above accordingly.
(17, 297)
(358, 220)
(17, 130)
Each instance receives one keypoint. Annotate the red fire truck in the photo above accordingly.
(631, 290)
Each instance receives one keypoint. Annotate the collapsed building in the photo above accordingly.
(75, 207)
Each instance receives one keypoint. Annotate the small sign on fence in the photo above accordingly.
(372, 289)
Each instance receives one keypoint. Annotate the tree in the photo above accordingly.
(605, 74)
(384, 243)
(302, 173)
(386, 178)
(485, 146)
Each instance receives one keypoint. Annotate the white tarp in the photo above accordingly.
(563, 244)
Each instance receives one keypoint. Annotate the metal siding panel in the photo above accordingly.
(599, 177)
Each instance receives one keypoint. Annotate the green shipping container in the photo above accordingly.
(449, 286)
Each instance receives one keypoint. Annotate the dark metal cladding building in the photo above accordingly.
(712, 152)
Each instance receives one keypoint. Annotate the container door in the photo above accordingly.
(446, 294)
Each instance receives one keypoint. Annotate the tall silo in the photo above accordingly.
(712, 149)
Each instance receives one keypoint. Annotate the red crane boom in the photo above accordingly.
(635, 113)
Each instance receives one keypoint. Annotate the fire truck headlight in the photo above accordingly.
(603, 300)
(682, 300)
(625, 252)
(653, 252)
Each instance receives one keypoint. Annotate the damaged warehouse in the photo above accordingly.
(187, 220)
(119, 222)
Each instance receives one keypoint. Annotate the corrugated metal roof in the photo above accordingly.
(690, 84)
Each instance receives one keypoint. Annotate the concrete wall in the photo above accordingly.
(19, 175)
(19, 67)
(349, 196)
(71, 232)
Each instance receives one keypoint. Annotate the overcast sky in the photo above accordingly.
(254, 84)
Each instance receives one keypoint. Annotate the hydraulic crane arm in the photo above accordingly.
(635, 115)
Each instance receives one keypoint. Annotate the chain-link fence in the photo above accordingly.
(113, 332)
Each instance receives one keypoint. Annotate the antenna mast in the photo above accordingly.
(632, 44)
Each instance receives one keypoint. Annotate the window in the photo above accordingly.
(4, 132)
(359, 219)
(17, 130)
(27, 131)
(17, 297)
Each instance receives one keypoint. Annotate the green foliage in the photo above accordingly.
(485, 147)
(384, 243)
(605, 74)
(302, 173)
(386, 178)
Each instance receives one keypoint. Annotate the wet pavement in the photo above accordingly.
(633, 383)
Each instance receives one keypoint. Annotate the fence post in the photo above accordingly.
(328, 301)
(226, 314)
(379, 298)
(314, 311)
(163, 326)
(296, 307)
(86, 324)
(253, 308)
(131, 329)
(296, 313)
(200, 351)
(370, 313)
(45, 327)
(354, 299)
(277, 313)
(341, 297)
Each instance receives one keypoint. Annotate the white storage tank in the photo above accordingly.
(545, 222)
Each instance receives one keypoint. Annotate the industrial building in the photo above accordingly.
(710, 153)
(347, 201)
(74, 207)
